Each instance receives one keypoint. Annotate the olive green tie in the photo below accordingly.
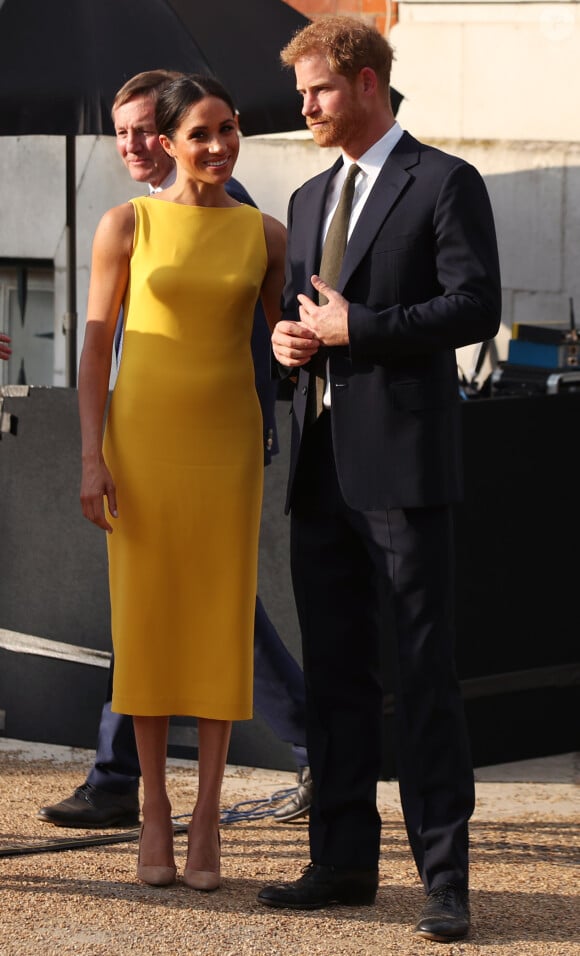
(330, 263)
(335, 242)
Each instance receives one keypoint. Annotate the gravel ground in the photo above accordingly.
(525, 869)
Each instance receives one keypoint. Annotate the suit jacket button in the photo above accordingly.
(304, 389)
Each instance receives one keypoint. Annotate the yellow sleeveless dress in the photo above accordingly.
(183, 444)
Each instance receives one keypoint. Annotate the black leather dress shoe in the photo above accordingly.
(321, 886)
(445, 915)
(91, 808)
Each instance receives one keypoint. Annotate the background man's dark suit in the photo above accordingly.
(423, 260)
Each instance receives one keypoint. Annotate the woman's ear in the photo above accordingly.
(167, 145)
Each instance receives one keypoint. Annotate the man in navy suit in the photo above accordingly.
(374, 477)
(110, 794)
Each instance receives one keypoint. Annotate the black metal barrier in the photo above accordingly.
(517, 607)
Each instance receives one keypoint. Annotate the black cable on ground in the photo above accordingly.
(68, 843)
(239, 813)
(256, 809)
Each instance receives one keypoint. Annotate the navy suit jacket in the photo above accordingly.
(421, 274)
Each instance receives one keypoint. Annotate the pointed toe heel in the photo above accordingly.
(156, 875)
(204, 880)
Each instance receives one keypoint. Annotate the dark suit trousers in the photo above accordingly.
(279, 694)
(347, 567)
(278, 698)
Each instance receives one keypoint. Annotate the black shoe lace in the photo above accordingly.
(444, 894)
(447, 896)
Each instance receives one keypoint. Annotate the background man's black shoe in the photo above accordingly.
(298, 803)
(445, 915)
(321, 886)
(91, 808)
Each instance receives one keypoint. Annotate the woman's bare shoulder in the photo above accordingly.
(119, 217)
(117, 226)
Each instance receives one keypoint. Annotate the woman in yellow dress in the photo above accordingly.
(177, 480)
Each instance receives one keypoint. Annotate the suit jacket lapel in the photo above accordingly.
(393, 179)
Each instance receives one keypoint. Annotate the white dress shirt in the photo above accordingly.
(370, 164)
(168, 181)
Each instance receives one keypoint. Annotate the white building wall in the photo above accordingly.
(499, 71)
(497, 83)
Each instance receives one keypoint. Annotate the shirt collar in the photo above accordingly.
(168, 181)
(374, 159)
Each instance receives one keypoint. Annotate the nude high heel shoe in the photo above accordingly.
(205, 880)
(154, 875)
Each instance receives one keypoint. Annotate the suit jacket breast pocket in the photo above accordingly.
(383, 268)
(389, 243)
(404, 263)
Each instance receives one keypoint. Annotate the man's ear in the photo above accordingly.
(368, 79)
